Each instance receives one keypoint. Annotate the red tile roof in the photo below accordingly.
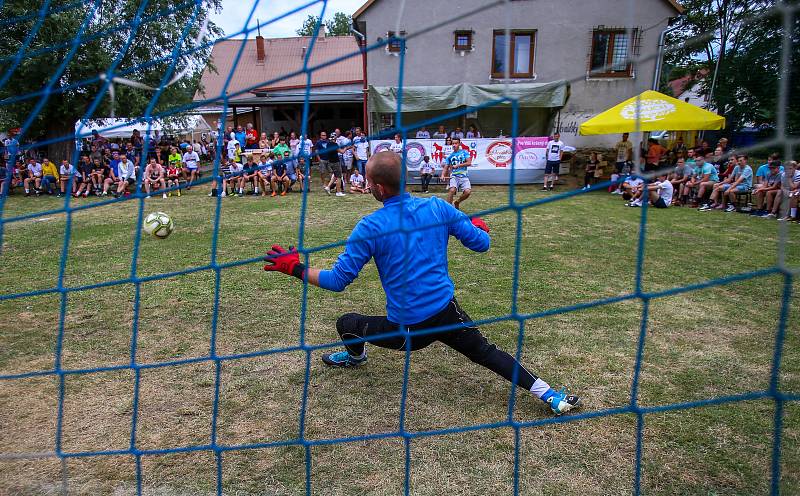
(284, 56)
(684, 83)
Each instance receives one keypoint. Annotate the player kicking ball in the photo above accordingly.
(419, 294)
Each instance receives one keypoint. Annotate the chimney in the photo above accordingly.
(322, 30)
(260, 53)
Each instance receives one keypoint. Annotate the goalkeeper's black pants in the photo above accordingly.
(461, 335)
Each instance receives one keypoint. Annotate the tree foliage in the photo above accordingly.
(108, 25)
(741, 42)
(339, 25)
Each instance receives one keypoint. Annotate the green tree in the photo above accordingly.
(110, 23)
(739, 41)
(339, 25)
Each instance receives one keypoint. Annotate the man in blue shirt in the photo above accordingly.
(456, 169)
(419, 295)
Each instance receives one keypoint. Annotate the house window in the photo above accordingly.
(611, 50)
(394, 45)
(462, 40)
(520, 46)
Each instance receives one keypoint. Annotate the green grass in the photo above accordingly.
(701, 344)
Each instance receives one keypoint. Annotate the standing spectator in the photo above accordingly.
(326, 152)
(241, 136)
(655, 152)
(473, 132)
(553, 153)
(251, 137)
(138, 145)
(397, 146)
(281, 147)
(34, 175)
(679, 146)
(191, 161)
(276, 136)
(293, 142)
(66, 178)
(458, 133)
(49, 176)
(440, 133)
(336, 167)
(127, 176)
(345, 144)
(361, 150)
(263, 143)
(447, 148)
(624, 153)
(426, 170)
(591, 167)
(421, 134)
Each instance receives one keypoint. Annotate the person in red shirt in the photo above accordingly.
(251, 137)
(654, 153)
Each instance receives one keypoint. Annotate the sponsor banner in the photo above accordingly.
(486, 153)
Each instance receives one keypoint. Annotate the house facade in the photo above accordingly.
(584, 44)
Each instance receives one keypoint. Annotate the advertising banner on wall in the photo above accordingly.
(491, 157)
(486, 153)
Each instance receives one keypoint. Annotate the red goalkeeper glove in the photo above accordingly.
(480, 224)
(288, 262)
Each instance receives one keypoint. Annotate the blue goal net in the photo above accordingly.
(196, 37)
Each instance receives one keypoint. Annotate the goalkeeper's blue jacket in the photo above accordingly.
(412, 263)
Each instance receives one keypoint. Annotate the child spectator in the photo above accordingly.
(591, 167)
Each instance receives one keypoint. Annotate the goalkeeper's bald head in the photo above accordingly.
(384, 171)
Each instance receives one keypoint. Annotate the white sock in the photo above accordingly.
(540, 387)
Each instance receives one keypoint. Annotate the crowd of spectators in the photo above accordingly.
(707, 179)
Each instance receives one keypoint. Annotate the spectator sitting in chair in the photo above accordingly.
(154, 177)
(708, 178)
(769, 192)
(279, 177)
(792, 189)
(739, 181)
(85, 169)
(66, 178)
(174, 178)
(127, 176)
(250, 175)
(681, 176)
(264, 172)
(34, 175)
(49, 176)
(426, 171)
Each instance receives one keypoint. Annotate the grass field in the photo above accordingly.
(701, 344)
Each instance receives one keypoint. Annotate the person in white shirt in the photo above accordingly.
(357, 183)
(34, 176)
(426, 170)
(423, 133)
(127, 175)
(659, 193)
(397, 145)
(361, 149)
(66, 177)
(191, 161)
(345, 143)
(440, 134)
(553, 153)
(231, 149)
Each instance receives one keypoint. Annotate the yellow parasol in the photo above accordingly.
(657, 112)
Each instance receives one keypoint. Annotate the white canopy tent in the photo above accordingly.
(123, 128)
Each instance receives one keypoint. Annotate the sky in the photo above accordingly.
(234, 14)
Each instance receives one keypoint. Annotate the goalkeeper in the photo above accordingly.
(419, 291)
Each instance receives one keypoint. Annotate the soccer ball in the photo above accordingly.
(158, 224)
